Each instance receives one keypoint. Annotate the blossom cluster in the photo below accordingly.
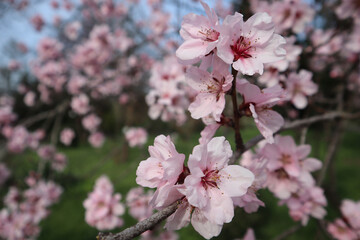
(206, 186)
(348, 226)
(289, 177)
(103, 207)
(24, 210)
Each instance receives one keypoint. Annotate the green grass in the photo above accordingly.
(86, 164)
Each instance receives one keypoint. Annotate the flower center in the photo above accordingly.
(241, 48)
(285, 159)
(215, 87)
(210, 179)
(209, 34)
(281, 174)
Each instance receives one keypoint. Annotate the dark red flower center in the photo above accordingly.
(241, 48)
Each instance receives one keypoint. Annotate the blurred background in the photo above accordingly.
(77, 75)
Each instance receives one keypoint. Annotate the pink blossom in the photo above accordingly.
(249, 235)
(306, 202)
(136, 136)
(298, 86)
(257, 166)
(249, 45)
(91, 122)
(211, 88)
(138, 202)
(210, 129)
(292, 55)
(72, 30)
(103, 209)
(351, 211)
(200, 34)
(348, 8)
(80, 104)
(257, 103)
(341, 231)
(66, 136)
(161, 170)
(75, 84)
(38, 22)
(96, 139)
(30, 98)
(49, 48)
(288, 166)
(46, 152)
(186, 213)
(288, 14)
(212, 182)
(59, 162)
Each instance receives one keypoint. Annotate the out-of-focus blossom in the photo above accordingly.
(299, 86)
(66, 136)
(103, 207)
(136, 136)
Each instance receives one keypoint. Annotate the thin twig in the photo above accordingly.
(44, 115)
(142, 226)
(288, 232)
(303, 122)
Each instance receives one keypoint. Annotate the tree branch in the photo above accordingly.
(156, 218)
(142, 226)
(238, 139)
(44, 115)
(288, 232)
(303, 122)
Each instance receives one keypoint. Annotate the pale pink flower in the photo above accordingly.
(91, 122)
(348, 8)
(257, 103)
(46, 151)
(38, 22)
(353, 44)
(59, 162)
(249, 45)
(291, 14)
(96, 139)
(299, 86)
(341, 231)
(136, 136)
(292, 55)
(103, 209)
(72, 30)
(211, 88)
(80, 104)
(29, 99)
(257, 166)
(307, 202)
(213, 182)
(138, 202)
(75, 84)
(161, 170)
(200, 34)
(186, 213)
(49, 48)
(249, 235)
(210, 129)
(351, 211)
(288, 166)
(66, 136)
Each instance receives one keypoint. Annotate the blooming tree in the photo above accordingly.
(286, 65)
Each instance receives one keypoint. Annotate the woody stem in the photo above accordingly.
(238, 139)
